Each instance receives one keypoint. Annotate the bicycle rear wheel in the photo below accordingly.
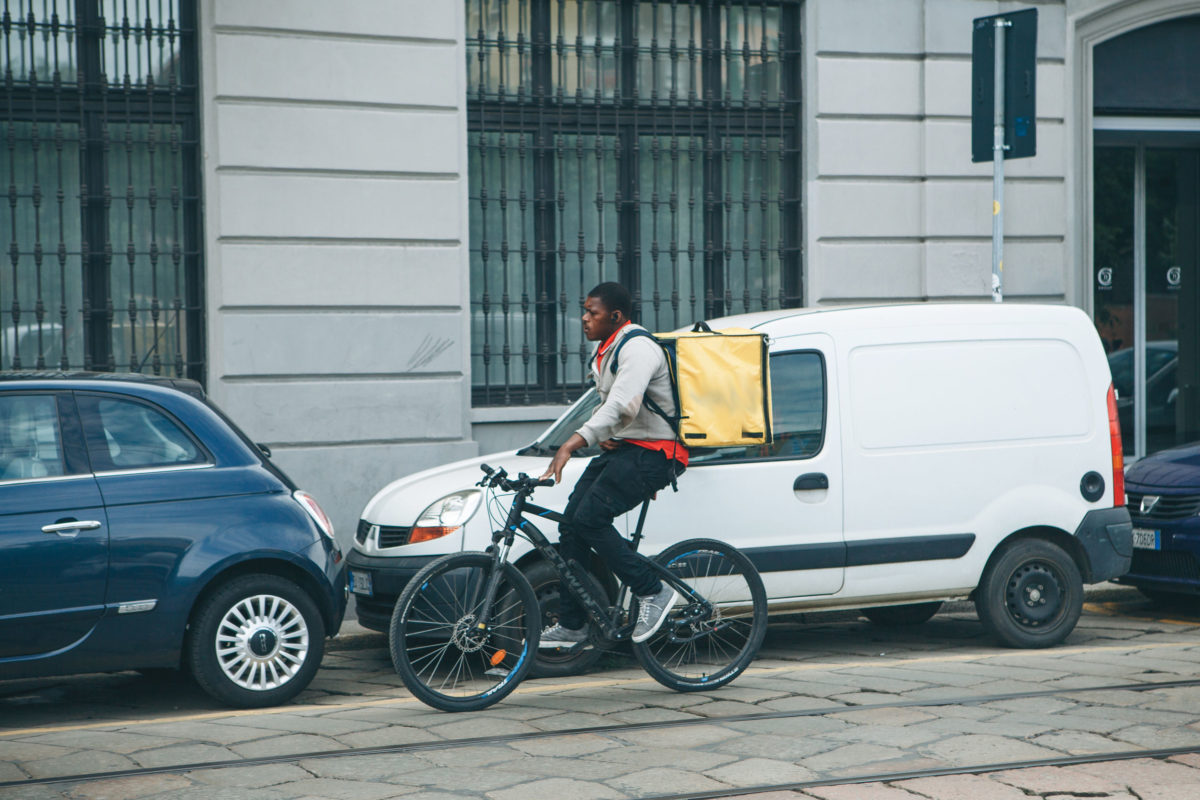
(703, 646)
(442, 656)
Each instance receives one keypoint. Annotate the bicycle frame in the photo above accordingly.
(606, 618)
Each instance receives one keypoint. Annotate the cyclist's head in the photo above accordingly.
(606, 308)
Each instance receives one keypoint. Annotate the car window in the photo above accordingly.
(126, 434)
(797, 413)
(30, 443)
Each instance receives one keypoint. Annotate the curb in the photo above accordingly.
(353, 636)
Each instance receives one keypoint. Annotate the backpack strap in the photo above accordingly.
(636, 333)
(647, 400)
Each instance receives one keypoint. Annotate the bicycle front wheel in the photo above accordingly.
(442, 654)
(706, 645)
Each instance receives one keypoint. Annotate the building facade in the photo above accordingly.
(366, 226)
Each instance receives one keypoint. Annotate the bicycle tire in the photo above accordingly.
(437, 650)
(693, 655)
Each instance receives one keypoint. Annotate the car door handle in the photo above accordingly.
(811, 481)
(72, 527)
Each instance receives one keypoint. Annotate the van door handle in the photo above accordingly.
(811, 481)
(71, 528)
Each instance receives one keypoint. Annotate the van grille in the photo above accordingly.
(1159, 564)
(391, 536)
(1169, 506)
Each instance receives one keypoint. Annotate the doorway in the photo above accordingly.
(1145, 281)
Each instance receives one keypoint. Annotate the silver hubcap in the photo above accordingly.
(262, 642)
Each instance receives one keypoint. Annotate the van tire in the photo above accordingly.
(911, 614)
(1031, 594)
(555, 663)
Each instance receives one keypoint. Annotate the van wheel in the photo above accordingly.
(556, 662)
(912, 614)
(257, 641)
(1031, 595)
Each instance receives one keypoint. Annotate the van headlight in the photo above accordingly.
(446, 515)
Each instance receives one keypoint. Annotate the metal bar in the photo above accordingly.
(1140, 449)
(544, 206)
(998, 148)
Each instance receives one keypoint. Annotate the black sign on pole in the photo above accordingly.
(1020, 84)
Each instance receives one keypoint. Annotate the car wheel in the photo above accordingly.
(257, 641)
(1031, 594)
(912, 614)
(556, 662)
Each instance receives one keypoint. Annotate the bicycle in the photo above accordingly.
(465, 630)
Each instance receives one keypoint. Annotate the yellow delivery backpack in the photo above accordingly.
(722, 385)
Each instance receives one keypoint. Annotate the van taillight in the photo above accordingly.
(1118, 454)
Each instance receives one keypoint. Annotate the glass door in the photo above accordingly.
(1145, 288)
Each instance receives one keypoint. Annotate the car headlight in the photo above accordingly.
(445, 516)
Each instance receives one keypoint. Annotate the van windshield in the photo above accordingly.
(558, 434)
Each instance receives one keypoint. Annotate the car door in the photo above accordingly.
(53, 528)
(780, 503)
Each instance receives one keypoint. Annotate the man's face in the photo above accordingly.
(598, 322)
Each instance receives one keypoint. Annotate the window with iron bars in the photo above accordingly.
(101, 269)
(652, 142)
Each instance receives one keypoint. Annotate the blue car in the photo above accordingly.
(1163, 497)
(140, 529)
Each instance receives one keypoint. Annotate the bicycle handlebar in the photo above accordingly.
(522, 483)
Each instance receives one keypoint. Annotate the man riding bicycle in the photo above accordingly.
(641, 455)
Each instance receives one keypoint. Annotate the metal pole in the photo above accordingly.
(998, 167)
(1140, 448)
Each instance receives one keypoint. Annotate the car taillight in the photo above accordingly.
(1118, 454)
(310, 505)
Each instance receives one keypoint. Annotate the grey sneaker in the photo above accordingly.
(652, 612)
(557, 636)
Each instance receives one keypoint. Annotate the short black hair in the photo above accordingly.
(615, 297)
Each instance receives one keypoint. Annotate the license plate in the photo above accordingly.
(360, 583)
(1146, 539)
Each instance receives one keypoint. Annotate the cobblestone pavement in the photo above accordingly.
(838, 709)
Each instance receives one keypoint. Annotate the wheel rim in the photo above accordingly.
(698, 642)
(262, 642)
(441, 641)
(1034, 595)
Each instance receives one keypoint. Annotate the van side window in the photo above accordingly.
(30, 445)
(797, 411)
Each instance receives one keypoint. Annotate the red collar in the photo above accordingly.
(608, 343)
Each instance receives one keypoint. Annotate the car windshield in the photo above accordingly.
(561, 431)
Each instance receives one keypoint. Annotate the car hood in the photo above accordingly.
(1177, 468)
(402, 501)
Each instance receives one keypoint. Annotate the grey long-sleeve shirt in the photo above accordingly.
(641, 369)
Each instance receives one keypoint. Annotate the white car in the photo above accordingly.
(922, 453)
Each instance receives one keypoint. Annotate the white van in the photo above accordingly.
(922, 453)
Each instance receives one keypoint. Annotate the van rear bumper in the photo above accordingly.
(1106, 535)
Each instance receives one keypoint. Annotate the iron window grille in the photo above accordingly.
(654, 142)
(102, 266)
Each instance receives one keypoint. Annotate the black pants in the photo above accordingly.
(615, 482)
